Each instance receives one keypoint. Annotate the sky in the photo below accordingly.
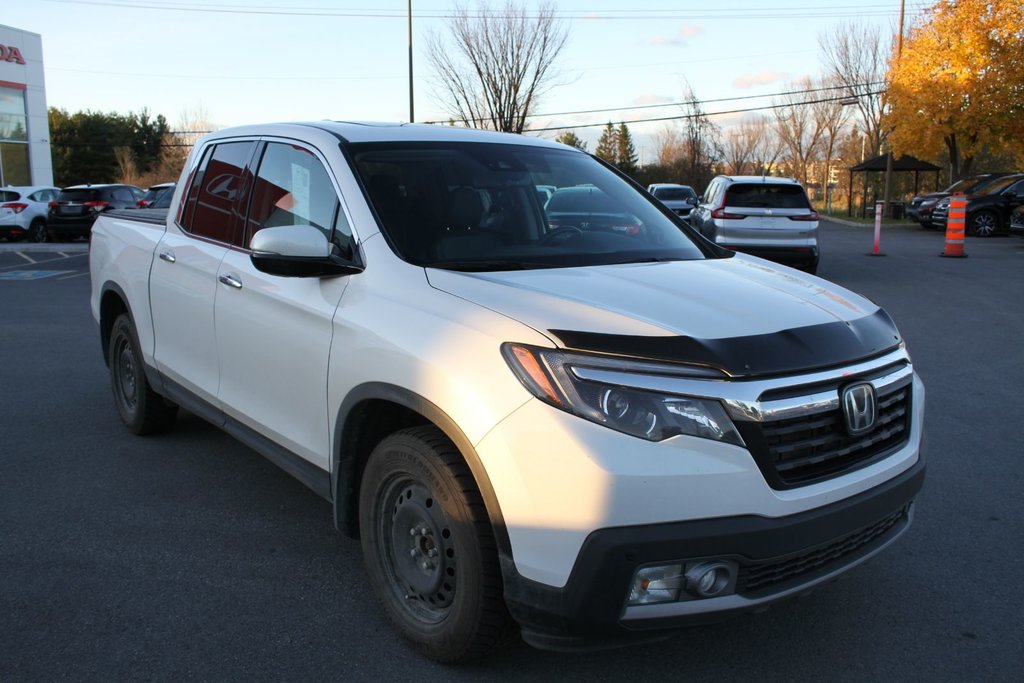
(231, 62)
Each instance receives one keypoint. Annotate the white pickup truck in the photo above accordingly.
(588, 424)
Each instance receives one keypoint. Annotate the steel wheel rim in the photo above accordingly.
(417, 550)
(126, 380)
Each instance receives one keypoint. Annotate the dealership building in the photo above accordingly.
(24, 128)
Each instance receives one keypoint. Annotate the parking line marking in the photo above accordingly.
(27, 258)
(68, 277)
(22, 265)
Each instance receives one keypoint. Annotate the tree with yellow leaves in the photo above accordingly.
(959, 82)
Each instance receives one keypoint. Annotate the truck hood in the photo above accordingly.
(740, 314)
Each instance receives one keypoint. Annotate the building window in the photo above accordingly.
(14, 166)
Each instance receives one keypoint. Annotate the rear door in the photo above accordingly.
(183, 283)
(274, 333)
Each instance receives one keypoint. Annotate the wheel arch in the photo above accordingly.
(370, 412)
(113, 302)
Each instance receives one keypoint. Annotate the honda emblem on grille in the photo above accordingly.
(860, 408)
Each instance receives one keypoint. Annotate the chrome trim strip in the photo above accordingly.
(742, 397)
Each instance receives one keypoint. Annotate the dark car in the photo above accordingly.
(921, 207)
(153, 193)
(76, 208)
(1017, 221)
(679, 198)
(586, 209)
(988, 210)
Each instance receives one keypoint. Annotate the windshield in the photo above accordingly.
(677, 193)
(78, 195)
(476, 206)
(767, 195)
(998, 186)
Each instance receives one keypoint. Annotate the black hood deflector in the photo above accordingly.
(800, 349)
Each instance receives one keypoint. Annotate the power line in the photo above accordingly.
(681, 117)
(691, 102)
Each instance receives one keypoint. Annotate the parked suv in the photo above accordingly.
(679, 198)
(921, 207)
(988, 210)
(153, 194)
(23, 211)
(76, 208)
(764, 216)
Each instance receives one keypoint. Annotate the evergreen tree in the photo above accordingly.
(625, 157)
(607, 145)
(570, 138)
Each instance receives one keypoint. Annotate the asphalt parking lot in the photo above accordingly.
(188, 557)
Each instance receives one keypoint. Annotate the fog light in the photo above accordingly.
(708, 579)
(656, 584)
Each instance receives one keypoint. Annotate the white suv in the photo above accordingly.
(760, 215)
(23, 211)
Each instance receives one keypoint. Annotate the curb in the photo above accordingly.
(871, 226)
(40, 247)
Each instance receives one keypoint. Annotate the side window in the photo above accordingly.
(123, 196)
(292, 187)
(210, 205)
(1017, 188)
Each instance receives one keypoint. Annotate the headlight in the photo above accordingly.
(548, 374)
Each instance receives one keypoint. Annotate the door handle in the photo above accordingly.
(167, 256)
(230, 281)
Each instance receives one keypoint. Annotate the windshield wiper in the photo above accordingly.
(483, 266)
(649, 259)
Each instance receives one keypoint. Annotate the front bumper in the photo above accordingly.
(777, 558)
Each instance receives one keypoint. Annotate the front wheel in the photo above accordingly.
(429, 548)
(984, 224)
(142, 410)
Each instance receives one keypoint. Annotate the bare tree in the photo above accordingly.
(769, 146)
(830, 118)
(127, 169)
(742, 143)
(855, 56)
(669, 145)
(798, 128)
(497, 64)
(702, 141)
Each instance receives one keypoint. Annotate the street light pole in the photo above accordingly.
(886, 207)
(412, 116)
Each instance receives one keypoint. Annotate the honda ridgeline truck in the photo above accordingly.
(589, 429)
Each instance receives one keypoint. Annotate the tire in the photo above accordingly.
(37, 231)
(142, 410)
(984, 224)
(429, 548)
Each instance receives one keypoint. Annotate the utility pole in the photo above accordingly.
(886, 210)
(412, 116)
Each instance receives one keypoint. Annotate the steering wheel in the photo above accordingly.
(563, 233)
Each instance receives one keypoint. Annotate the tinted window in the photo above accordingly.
(474, 206)
(8, 196)
(79, 196)
(211, 205)
(124, 196)
(998, 186)
(674, 193)
(765, 195)
(292, 187)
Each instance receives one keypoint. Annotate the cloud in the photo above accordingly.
(763, 78)
(685, 32)
(651, 98)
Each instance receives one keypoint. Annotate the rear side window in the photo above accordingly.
(8, 196)
(211, 206)
(769, 196)
(292, 187)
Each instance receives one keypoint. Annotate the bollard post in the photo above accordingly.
(956, 223)
(876, 249)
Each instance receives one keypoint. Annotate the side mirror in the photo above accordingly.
(297, 251)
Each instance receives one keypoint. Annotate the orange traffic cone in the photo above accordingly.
(955, 224)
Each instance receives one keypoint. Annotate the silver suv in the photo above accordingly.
(764, 216)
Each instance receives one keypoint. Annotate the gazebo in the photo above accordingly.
(904, 164)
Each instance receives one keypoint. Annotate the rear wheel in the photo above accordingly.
(984, 224)
(142, 410)
(37, 231)
(429, 548)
